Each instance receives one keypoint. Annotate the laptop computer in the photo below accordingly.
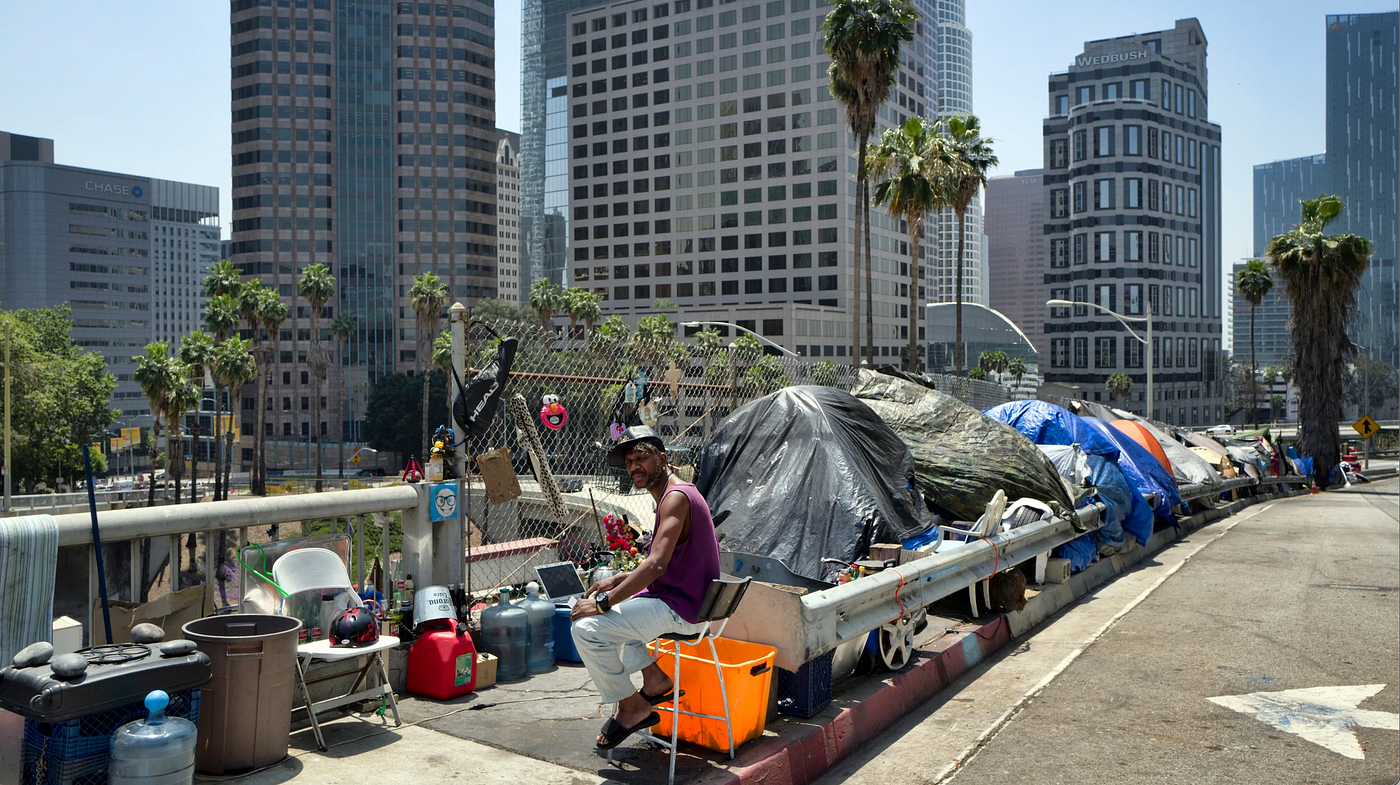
(561, 583)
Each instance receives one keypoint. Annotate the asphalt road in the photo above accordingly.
(1301, 593)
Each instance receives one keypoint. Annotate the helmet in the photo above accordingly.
(354, 627)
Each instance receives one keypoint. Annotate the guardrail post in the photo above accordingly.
(432, 550)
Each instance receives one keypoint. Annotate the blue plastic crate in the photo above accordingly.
(808, 691)
(564, 650)
(90, 736)
(91, 770)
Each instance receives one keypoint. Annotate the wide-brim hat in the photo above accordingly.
(631, 438)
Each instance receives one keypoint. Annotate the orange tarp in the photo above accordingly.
(1143, 437)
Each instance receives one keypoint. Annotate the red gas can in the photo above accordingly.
(442, 662)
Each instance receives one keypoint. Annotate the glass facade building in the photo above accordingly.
(1362, 165)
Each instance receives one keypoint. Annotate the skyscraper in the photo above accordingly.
(709, 166)
(127, 253)
(1362, 169)
(1015, 226)
(949, 53)
(364, 138)
(508, 199)
(1278, 187)
(1132, 186)
(544, 147)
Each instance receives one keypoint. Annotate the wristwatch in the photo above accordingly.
(604, 605)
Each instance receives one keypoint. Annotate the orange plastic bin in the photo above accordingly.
(748, 677)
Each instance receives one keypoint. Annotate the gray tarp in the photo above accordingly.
(961, 456)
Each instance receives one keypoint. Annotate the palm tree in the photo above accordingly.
(862, 40)
(908, 158)
(591, 310)
(574, 299)
(427, 296)
(233, 367)
(271, 313)
(1320, 274)
(155, 374)
(708, 340)
(972, 161)
(197, 353)
(1017, 368)
(546, 298)
(221, 317)
(222, 279)
(317, 287)
(1254, 282)
(342, 327)
(1119, 385)
(183, 397)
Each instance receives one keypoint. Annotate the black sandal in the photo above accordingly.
(614, 733)
(665, 697)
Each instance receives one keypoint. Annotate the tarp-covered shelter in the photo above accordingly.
(808, 473)
(961, 456)
(1141, 468)
(1187, 467)
(1046, 423)
(1145, 439)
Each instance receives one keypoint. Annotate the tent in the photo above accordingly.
(1046, 423)
(1146, 440)
(961, 456)
(808, 473)
(1141, 468)
(1187, 467)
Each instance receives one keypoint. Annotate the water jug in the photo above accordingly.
(539, 654)
(504, 632)
(158, 750)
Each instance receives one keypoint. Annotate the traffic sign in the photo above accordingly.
(355, 460)
(1366, 426)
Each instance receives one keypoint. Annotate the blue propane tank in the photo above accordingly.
(158, 750)
(504, 633)
(539, 656)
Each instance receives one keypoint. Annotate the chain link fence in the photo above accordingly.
(606, 379)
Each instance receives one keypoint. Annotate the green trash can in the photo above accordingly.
(246, 709)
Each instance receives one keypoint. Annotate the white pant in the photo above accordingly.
(613, 645)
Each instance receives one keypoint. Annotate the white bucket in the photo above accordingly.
(432, 603)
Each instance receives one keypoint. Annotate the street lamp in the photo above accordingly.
(782, 349)
(1147, 342)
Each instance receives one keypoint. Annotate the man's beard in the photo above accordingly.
(655, 479)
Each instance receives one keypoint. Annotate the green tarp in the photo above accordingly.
(961, 456)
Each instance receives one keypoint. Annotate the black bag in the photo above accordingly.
(476, 402)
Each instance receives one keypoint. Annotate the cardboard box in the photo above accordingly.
(485, 670)
(170, 613)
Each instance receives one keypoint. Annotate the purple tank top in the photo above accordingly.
(694, 563)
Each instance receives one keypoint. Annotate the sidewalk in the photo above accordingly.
(542, 729)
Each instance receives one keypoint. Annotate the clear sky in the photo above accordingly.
(142, 86)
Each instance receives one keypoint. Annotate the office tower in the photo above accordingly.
(950, 60)
(1361, 163)
(1278, 188)
(1015, 224)
(710, 167)
(364, 138)
(508, 220)
(1132, 187)
(544, 148)
(127, 253)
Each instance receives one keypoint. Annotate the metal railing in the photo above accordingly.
(55, 503)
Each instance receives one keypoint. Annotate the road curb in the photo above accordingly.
(803, 751)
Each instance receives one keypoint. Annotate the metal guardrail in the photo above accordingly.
(52, 502)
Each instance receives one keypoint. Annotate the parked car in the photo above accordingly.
(1221, 430)
(375, 471)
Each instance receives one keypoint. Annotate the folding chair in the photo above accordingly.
(721, 599)
(309, 569)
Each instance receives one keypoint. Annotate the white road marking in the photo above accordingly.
(971, 752)
(1324, 716)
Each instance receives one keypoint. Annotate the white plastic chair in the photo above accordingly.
(309, 569)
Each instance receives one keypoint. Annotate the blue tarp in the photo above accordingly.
(1046, 423)
(1142, 468)
(1080, 552)
(1122, 500)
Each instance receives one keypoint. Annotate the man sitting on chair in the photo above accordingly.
(620, 615)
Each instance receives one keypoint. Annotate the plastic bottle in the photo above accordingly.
(504, 633)
(539, 654)
(158, 750)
